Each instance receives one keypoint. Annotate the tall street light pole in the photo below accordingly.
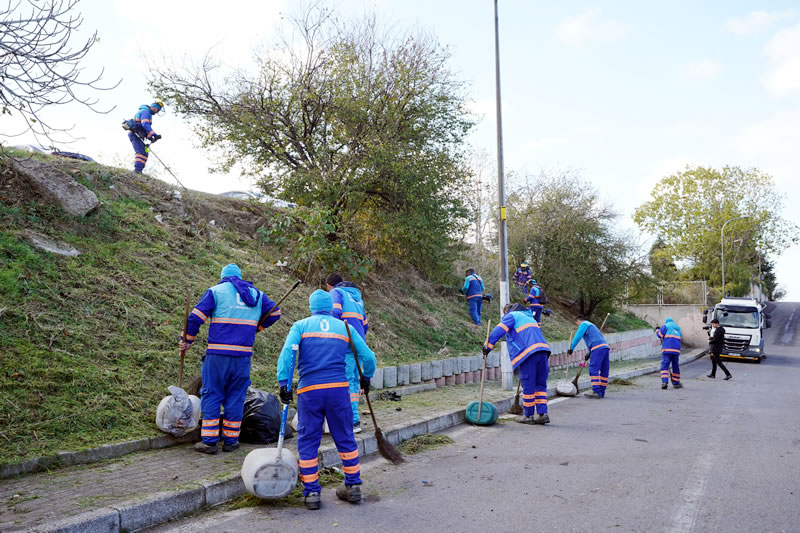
(722, 245)
(505, 362)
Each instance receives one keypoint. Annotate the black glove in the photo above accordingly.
(486, 350)
(587, 357)
(364, 382)
(155, 137)
(569, 352)
(286, 395)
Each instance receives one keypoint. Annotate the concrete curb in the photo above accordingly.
(165, 506)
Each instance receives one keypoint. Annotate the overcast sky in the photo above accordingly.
(624, 93)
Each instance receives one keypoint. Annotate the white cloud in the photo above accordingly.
(577, 30)
(703, 70)
(783, 53)
(756, 22)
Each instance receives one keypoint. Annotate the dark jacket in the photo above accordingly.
(717, 342)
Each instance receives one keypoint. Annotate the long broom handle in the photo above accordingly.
(274, 307)
(285, 414)
(185, 333)
(604, 322)
(483, 370)
(360, 374)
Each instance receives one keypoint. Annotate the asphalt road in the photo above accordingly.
(714, 456)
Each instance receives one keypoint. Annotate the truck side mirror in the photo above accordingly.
(705, 317)
(769, 323)
(705, 311)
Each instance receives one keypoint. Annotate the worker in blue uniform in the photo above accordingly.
(532, 300)
(670, 335)
(529, 352)
(348, 306)
(237, 311)
(521, 277)
(143, 129)
(322, 394)
(473, 288)
(597, 353)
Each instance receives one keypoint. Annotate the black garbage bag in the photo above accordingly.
(261, 423)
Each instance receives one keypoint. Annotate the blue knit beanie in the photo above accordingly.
(231, 270)
(320, 301)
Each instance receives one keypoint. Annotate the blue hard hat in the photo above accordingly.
(157, 104)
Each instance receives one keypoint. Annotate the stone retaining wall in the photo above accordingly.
(627, 345)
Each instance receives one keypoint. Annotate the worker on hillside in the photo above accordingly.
(529, 352)
(670, 335)
(717, 344)
(473, 288)
(322, 394)
(597, 353)
(521, 277)
(348, 306)
(141, 129)
(532, 300)
(237, 311)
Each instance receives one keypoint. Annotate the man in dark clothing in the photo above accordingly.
(717, 342)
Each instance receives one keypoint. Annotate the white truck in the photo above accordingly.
(744, 320)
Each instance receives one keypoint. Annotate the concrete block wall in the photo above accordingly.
(627, 345)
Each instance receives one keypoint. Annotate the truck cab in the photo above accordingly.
(744, 320)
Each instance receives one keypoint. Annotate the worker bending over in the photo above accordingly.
(529, 352)
(322, 393)
(597, 353)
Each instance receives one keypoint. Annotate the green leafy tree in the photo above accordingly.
(561, 226)
(365, 122)
(687, 210)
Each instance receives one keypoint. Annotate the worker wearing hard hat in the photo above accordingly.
(141, 128)
(473, 288)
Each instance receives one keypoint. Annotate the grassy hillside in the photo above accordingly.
(88, 344)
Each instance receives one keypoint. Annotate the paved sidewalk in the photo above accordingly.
(147, 488)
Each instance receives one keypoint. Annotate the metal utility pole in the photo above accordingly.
(722, 245)
(505, 362)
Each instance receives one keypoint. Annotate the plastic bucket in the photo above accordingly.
(488, 414)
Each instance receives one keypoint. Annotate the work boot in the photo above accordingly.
(205, 448)
(541, 419)
(726, 378)
(357, 427)
(230, 447)
(592, 394)
(677, 386)
(664, 385)
(312, 501)
(349, 493)
(712, 376)
(524, 419)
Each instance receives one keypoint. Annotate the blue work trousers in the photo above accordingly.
(225, 382)
(598, 369)
(537, 312)
(140, 159)
(333, 405)
(667, 360)
(533, 373)
(475, 308)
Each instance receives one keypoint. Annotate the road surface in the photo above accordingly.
(714, 456)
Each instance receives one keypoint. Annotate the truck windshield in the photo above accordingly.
(743, 317)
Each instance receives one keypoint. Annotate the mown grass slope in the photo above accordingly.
(88, 344)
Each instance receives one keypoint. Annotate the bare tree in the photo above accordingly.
(39, 66)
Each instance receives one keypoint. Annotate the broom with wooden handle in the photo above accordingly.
(483, 370)
(384, 446)
(185, 329)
